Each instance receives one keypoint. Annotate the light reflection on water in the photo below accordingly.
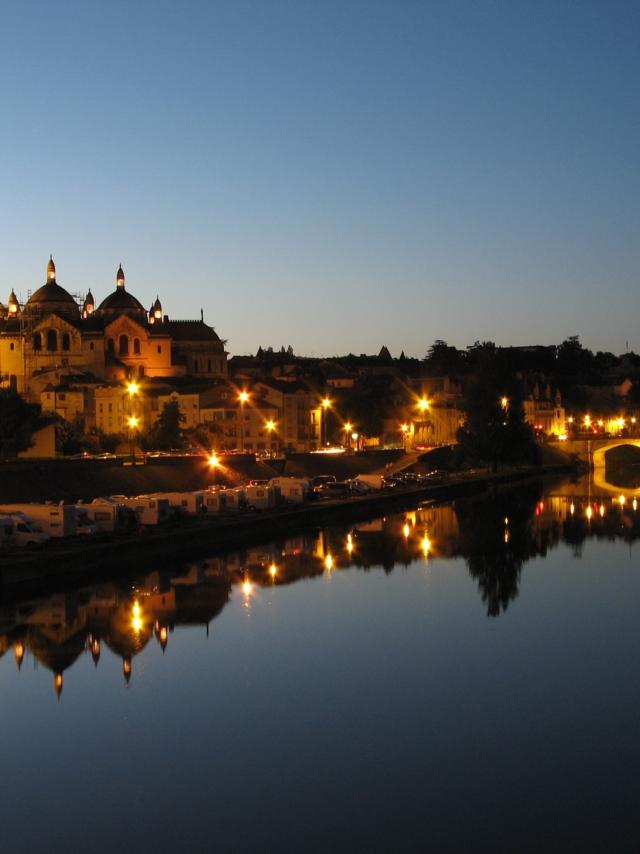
(459, 677)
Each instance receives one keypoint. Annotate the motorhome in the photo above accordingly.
(260, 497)
(235, 498)
(110, 515)
(18, 530)
(293, 490)
(188, 503)
(149, 511)
(213, 502)
(56, 520)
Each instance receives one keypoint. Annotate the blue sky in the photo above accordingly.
(331, 175)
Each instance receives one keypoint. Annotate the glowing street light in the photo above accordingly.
(348, 428)
(243, 397)
(214, 460)
(325, 404)
(132, 388)
(423, 404)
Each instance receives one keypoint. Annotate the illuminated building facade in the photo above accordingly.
(56, 333)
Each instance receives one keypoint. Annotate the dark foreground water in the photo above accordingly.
(461, 679)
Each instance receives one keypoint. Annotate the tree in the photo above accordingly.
(495, 432)
(18, 421)
(166, 433)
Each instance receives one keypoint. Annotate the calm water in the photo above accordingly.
(456, 678)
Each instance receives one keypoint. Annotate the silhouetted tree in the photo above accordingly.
(18, 421)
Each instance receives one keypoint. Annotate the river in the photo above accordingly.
(455, 678)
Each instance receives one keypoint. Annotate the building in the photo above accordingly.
(56, 333)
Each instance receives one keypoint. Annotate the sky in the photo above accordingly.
(331, 175)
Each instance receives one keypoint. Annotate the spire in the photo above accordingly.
(13, 305)
(120, 277)
(51, 270)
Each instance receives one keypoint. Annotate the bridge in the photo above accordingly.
(592, 452)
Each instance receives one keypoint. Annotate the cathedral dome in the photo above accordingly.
(121, 301)
(51, 296)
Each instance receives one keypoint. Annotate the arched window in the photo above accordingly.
(208, 366)
(37, 341)
(136, 346)
(66, 341)
(141, 371)
(13, 382)
(52, 339)
(91, 345)
(124, 345)
(195, 366)
(111, 346)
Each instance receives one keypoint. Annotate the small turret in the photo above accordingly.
(13, 306)
(51, 270)
(120, 277)
(156, 311)
(89, 304)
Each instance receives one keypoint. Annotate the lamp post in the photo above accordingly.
(348, 427)
(270, 426)
(133, 421)
(405, 430)
(423, 406)
(243, 397)
(325, 404)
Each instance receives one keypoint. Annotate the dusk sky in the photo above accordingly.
(331, 175)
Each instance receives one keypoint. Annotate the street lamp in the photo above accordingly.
(348, 427)
(325, 404)
(133, 422)
(270, 426)
(405, 430)
(243, 397)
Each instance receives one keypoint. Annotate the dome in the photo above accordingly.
(52, 293)
(120, 301)
(52, 297)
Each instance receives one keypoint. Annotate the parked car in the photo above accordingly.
(321, 479)
(334, 489)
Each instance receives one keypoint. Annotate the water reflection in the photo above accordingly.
(495, 537)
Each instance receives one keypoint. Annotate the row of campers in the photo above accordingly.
(33, 524)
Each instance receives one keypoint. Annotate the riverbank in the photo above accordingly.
(192, 538)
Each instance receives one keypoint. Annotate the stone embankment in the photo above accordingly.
(193, 538)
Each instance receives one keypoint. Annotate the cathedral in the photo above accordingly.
(55, 334)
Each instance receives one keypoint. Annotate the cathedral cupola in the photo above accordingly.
(51, 270)
(155, 315)
(88, 305)
(13, 306)
(120, 277)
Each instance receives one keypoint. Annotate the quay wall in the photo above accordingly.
(73, 480)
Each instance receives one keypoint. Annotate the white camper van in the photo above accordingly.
(18, 530)
(292, 490)
(56, 520)
(189, 503)
(150, 511)
(260, 497)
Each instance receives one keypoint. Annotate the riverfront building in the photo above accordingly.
(55, 334)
